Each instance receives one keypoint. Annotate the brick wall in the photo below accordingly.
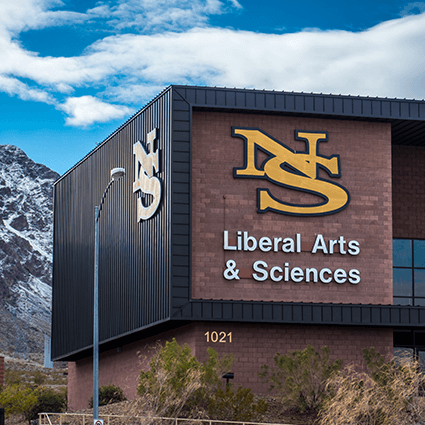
(408, 192)
(252, 345)
(221, 202)
(119, 367)
(256, 345)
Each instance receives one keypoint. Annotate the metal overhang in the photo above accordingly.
(283, 313)
(393, 316)
(407, 117)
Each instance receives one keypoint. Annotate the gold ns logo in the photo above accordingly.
(292, 170)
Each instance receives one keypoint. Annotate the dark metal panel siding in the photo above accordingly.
(304, 313)
(303, 103)
(421, 111)
(181, 182)
(135, 258)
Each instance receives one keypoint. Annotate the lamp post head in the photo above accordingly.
(117, 173)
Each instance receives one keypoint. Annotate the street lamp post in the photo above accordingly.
(116, 173)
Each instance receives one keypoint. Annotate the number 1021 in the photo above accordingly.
(215, 336)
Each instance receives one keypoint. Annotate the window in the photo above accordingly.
(409, 343)
(409, 272)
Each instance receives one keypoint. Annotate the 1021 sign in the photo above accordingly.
(218, 336)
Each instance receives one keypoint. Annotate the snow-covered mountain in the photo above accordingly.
(26, 244)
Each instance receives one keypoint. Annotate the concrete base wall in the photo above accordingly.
(252, 345)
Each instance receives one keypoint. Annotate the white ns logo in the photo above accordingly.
(144, 179)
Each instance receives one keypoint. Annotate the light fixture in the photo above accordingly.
(116, 173)
(227, 376)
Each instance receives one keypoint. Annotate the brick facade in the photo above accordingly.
(221, 202)
(252, 346)
(408, 192)
(119, 367)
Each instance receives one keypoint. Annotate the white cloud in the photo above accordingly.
(14, 87)
(54, 76)
(160, 15)
(130, 68)
(415, 7)
(21, 15)
(86, 110)
(385, 60)
(132, 93)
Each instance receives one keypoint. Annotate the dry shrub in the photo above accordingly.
(177, 383)
(389, 394)
(162, 400)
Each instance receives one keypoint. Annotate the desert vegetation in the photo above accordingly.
(299, 378)
(389, 393)
(26, 394)
(306, 387)
(382, 393)
(177, 384)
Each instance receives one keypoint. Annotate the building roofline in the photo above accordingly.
(401, 113)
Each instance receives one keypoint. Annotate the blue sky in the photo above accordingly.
(73, 71)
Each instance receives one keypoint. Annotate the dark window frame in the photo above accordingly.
(413, 299)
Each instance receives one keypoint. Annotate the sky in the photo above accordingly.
(73, 71)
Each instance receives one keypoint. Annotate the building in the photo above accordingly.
(251, 221)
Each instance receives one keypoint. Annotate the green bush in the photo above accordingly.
(300, 377)
(228, 405)
(17, 399)
(29, 401)
(378, 367)
(48, 401)
(13, 377)
(109, 394)
(178, 383)
(39, 378)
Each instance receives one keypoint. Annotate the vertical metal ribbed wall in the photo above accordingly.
(135, 258)
(181, 203)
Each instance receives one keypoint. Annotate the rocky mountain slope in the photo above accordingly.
(26, 244)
